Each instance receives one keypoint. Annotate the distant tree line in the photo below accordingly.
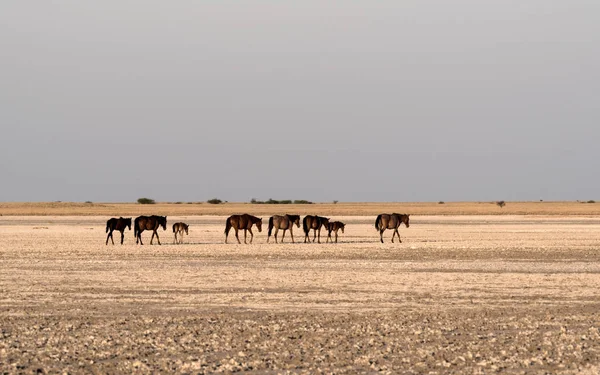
(285, 201)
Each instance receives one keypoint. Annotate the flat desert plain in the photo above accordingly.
(486, 293)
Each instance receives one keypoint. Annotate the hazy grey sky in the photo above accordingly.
(319, 100)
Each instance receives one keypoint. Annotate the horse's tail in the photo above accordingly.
(227, 226)
(135, 228)
(377, 221)
(174, 228)
(270, 225)
(305, 224)
(107, 226)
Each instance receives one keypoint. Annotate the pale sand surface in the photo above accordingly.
(461, 294)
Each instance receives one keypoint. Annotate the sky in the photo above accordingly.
(428, 100)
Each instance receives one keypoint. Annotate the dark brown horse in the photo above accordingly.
(334, 227)
(180, 228)
(152, 223)
(314, 223)
(244, 222)
(117, 224)
(393, 221)
(284, 222)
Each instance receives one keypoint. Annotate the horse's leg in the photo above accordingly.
(319, 238)
(283, 235)
(292, 233)
(140, 237)
(398, 233)
(152, 238)
(381, 234)
(157, 239)
(336, 236)
(251, 234)
(393, 234)
(275, 234)
(108, 236)
(314, 235)
(122, 236)
(236, 235)
(175, 239)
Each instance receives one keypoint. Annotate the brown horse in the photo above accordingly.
(284, 222)
(117, 224)
(334, 227)
(393, 221)
(314, 223)
(179, 228)
(244, 222)
(152, 223)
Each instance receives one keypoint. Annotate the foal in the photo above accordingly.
(334, 227)
(180, 228)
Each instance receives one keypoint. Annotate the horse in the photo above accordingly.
(244, 222)
(180, 228)
(334, 227)
(284, 222)
(314, 223)
(152, 223)
(393, 221)
(119, 224)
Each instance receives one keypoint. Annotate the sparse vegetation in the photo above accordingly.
(214, 201)
(335, 202)
(89, 202)
(591, 201)
(284, 201)
(146, 201)
(441, 202)
(501, 204)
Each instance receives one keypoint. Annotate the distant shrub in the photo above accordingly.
(214, 201)
(591, 201)
(146, 201)
(190, 202)
(275, 201)
(89, 202)
(335, 202)
(501, 204)
(441, 202)
(178, 202)
(302, 201)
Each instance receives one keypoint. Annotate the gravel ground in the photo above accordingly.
(469, 294)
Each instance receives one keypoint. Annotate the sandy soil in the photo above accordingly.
(461, 294)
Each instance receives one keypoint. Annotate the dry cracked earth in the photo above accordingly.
(461, 294)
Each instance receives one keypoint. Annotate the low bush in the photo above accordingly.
(146, 201)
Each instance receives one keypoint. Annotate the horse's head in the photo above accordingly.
(297, 221)
(185, 227)
(325, 222)
(163, 222)
(128, 222)
(405, 220)
(342, 226)
(259, 225)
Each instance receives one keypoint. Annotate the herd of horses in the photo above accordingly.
(245, 222)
